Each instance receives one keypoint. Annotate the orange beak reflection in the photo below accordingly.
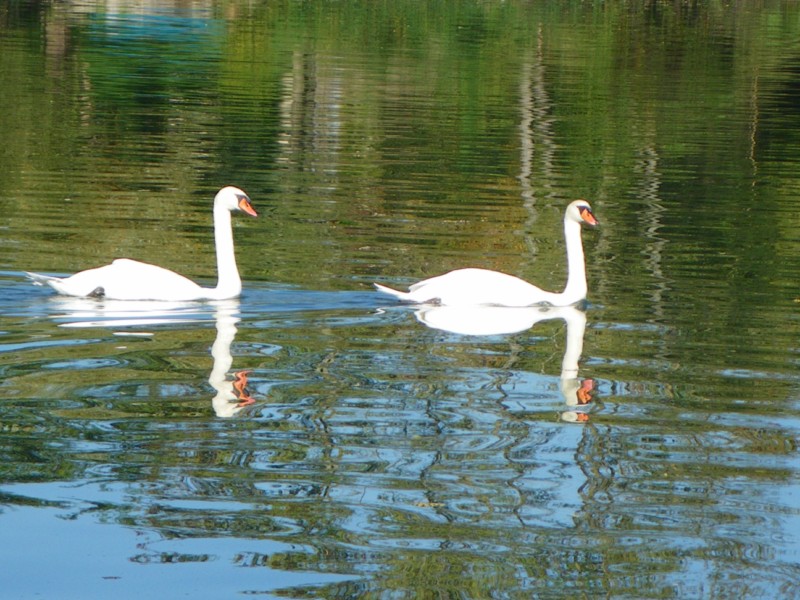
(585, 391)
(240, 388)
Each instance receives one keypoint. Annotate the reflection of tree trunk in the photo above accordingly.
(754, 124)
(647, 167)
(536, 137)
(291, 113)
(56, 38)
(310, 116)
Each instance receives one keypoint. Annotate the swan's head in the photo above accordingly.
(232, 198)
(580, 212)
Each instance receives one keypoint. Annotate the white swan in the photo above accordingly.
(126, 279)
(471, 287)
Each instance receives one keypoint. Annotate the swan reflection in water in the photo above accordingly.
(495, 320)
(232, 395)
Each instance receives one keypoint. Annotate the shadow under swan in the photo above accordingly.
(498, 320)
(231, 394)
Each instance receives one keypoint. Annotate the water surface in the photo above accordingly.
(316, 439)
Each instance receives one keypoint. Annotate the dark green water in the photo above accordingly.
(381, 457)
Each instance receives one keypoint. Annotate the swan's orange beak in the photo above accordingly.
(587, 215)
(245, 206)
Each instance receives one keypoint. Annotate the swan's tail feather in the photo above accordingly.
(57, 283)
(41, 279)
(391, 292)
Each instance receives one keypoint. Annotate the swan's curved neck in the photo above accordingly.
(229, 284)
(575, 290)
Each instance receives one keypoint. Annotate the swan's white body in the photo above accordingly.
(472, 287)
(126, 279)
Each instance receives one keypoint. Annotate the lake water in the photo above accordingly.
(315, 439)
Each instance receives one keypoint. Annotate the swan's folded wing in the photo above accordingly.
(472, 287)
(126, 279)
